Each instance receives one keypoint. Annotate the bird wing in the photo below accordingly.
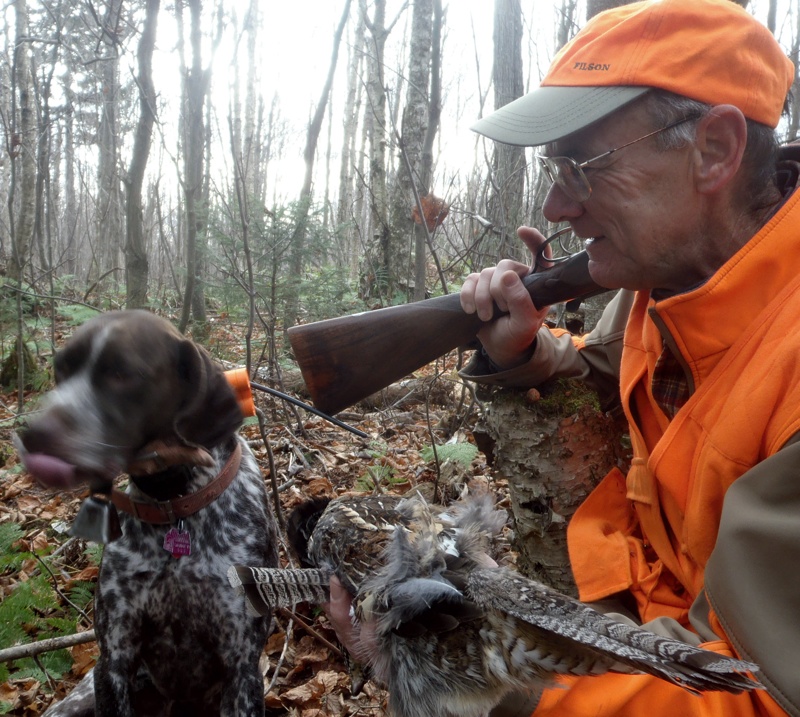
(534, 603)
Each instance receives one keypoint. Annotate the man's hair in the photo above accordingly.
(760, 155)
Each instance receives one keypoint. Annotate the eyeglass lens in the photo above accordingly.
(568, 175)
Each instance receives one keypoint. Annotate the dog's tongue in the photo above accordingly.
(50, 470)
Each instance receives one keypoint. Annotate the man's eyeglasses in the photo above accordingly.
(569, 175)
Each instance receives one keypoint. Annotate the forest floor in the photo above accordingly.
(302, 675)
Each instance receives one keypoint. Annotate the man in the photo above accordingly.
(657, 123)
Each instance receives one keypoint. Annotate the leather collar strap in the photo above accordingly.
(164, 512)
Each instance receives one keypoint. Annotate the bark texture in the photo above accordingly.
(136, 261)
(553, 446)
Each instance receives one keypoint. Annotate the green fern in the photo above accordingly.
(56, 664)
(10, 557)
(463, 453)
(82, 594)
(20, 611)
(77, 314)
(94, 551)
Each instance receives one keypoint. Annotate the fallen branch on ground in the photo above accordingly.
(51, 643)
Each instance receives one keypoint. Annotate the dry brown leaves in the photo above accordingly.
(435, 211)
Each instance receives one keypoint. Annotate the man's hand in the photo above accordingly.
(508, 339)
(357, 637)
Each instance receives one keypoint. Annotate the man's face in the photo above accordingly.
(644, 221)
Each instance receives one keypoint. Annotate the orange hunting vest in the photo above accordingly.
(651, 532)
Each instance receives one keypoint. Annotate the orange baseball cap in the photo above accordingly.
(712, 51)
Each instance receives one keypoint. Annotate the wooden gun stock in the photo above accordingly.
(349, 358)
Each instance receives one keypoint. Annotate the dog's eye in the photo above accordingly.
(122, 375)
(119, 376)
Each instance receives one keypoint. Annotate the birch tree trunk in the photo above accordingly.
(552, 445)
(346, 213)
(136, 260)
(407, 239)
(23, 148)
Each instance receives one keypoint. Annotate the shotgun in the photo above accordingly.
(346, 359)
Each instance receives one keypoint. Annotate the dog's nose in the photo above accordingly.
(41, 448)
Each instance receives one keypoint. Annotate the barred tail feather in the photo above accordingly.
(269, 588)
(690, 667)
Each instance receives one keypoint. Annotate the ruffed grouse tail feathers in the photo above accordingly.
(270, 588)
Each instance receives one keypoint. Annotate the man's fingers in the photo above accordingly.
(523, 316)
(467, 293)
(338, 610)
(484, 295)
(533, 239)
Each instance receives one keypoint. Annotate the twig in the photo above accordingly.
(59, 592)
(310, 630)
(51, 643)
(278, 665)
(273, 478)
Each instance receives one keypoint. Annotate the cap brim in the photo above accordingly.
(551, 113)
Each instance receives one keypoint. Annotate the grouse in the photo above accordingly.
(454, 631)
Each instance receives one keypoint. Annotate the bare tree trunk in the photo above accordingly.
(42, 84)
(136, 260)
(378, 282)
(408, 239)
(70, 200)
(109, 211)
(421, 235)
(508, 167)
(249, 136)
(345, 211)
(566, 27)
(196, 83)
(298, 241)
(23, 148)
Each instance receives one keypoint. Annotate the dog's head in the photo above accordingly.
(123, 380)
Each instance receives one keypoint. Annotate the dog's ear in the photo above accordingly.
(209, 412)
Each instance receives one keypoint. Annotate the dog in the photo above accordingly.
(133, 395)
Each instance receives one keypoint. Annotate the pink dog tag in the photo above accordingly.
(178, 542)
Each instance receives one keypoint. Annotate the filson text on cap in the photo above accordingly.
(601, 66)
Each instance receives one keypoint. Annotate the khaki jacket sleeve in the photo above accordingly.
(594, 358)
(753, 575)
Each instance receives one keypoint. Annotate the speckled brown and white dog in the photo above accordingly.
(134, 396)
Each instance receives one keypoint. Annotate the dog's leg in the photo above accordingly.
(112, 689)
(118, 625)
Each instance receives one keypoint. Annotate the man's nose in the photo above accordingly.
(560, 207)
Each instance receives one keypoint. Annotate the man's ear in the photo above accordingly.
(721, 139)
